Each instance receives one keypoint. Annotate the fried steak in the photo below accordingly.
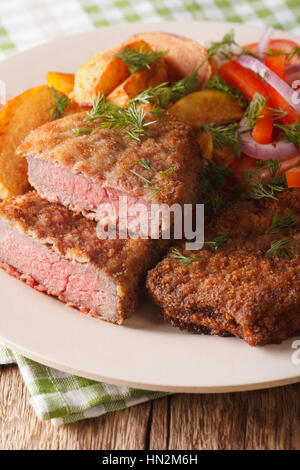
(85, 172)
(57, 251)
(240, 289)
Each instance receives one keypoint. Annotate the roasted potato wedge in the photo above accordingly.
(102, 73)
(18, 117)
(63, 82)
(206, 145)
(183, 56)
(138, 82)
(207, 106)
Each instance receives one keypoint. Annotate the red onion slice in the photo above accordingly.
(292, 73)
(282, 149)
(287, 92)
(264, 42)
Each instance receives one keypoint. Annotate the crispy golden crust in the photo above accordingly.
(237, 289)
(107, 156)
(75, 238)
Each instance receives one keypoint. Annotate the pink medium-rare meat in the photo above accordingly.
(57, 251)
(83, 172)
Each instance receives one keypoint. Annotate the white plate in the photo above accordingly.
(144, 353)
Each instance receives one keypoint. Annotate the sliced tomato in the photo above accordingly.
(263, 129)
(243, 79)
(277, 64)
(249, 83)
(293, 177)
(284, 45)
(278, 102)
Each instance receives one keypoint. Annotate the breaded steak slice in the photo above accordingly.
(86, 172)
(240, 289)
(57, 251)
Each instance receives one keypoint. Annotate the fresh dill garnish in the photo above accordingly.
(184, 260)
(223, 47)
(274, 52)
(217, 83)
(137, 60)
(277, 113)
(129, 120)
(213, 181)
(279, 223)
(144, 164)
(218, 241)
(259, 188)
(291, 132)
(224, 135)
(279, 248)
(255, 108)
(60, 103)
(185, 86)
(169, 171)
(295, 52)
(162, 95)
(82, 130)
(146, 181)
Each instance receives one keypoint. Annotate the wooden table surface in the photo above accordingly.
(268, 419)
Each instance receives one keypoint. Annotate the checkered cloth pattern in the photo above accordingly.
(55, 395)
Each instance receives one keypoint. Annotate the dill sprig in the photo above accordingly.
(295, 52)
(129, 120)
(184, 260)
(279, 248)
(255, 108)
(279, 223)
(162, 95)
(223, 47)
(60, 103)
(291, 132)
(224, 135)
(217, 83)
(213, 181)
(145, 164)
(169, 171)
(218, 241)
(137, 60)
(259, 188)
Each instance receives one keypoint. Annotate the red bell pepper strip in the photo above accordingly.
(249, 83)
(293, 177)
(277, 64)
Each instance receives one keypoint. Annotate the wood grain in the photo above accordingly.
(268, 419)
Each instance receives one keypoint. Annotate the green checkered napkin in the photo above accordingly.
(61, 397)
(65, 398)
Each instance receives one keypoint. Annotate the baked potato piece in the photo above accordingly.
(206, 145)
(18, 117)
(207, 106)
(138, 82)
(63, 82)
(184, 55)
(103, 73)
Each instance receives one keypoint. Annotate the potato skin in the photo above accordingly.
(183, 55)
(207, 106)
(18, 117)
(138, 82)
